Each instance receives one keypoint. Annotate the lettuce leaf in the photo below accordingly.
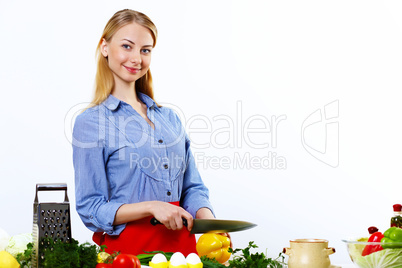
(355, 249)
(386, 258)
(18, 243)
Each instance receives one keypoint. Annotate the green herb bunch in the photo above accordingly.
(24, 259)
(69, 255)
(257, 260)
(58, 254)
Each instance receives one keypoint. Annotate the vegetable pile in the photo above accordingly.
(213, 250)
(244, 260)
(388, 254)
(12, 248)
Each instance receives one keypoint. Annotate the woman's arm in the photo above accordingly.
(204, 213)
(91, 184)
(132, 212)
(169, 215)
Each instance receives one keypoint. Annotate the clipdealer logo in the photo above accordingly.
(256, 132)
(224, 131)
(241, 161)
(320, 134)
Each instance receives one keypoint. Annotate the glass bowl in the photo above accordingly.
(389, 255)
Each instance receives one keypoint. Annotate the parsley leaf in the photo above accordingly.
(257, 260)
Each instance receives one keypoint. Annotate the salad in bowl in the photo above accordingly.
(380, 250)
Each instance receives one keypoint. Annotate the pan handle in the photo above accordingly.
(154, 222)
(51, 187)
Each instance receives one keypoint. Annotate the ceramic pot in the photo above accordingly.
(309, 253)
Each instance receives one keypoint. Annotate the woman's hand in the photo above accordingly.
(228, 235)
(170, 215)
(205, 213)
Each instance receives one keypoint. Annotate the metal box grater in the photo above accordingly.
(50, 220)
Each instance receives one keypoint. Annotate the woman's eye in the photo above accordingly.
(126, 46)
(146, 51)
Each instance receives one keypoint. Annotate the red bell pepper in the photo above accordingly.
(376, 236)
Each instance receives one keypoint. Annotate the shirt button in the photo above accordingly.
(160, 141)
(165, 166)
(169, 193)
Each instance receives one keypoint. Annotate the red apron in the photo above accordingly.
(141, 235)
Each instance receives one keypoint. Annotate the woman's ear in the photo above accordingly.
(104, 48)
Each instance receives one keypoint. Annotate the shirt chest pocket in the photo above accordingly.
(160, 163)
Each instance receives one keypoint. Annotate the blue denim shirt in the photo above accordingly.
(120, 159)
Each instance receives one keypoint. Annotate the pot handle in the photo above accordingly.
(287, 251)
(330, 251)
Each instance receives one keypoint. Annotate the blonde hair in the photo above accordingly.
(104, 81)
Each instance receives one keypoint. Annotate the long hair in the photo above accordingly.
(104, 81)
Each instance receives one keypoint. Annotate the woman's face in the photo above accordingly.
(128, 53)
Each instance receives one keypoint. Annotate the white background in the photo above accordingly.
(275, 58)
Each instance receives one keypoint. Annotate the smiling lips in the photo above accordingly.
(132, 70)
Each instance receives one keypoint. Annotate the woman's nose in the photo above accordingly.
(136, 57)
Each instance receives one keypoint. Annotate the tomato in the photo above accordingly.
(137, 262)
(126, 261)
(103, 265)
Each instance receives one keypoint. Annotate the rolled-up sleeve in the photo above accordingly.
(91, 182)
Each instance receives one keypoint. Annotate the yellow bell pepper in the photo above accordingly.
(214, 246)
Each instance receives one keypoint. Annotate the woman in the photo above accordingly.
(132, 158)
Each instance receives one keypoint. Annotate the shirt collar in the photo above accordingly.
(112, 102)
(146, 99)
